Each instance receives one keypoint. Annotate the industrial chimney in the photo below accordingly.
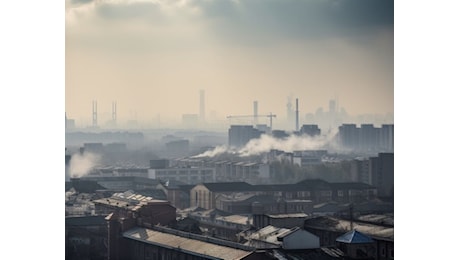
(297, 114)
(255, 112)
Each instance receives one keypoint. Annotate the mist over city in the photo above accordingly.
(229, 129)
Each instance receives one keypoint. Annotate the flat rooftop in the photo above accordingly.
(184, 244)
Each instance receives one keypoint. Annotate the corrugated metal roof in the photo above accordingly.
(184, 244)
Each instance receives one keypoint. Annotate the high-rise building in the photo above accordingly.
(348, 136)
(67, 167)
(311, 130)
(387, 138)
(367, 138)
(69, 123)
(332, 106)
(360, 171)
(382, 173)
(240, 135)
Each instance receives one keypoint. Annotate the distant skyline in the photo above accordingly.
(154, 57)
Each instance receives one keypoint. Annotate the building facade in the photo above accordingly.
(240, 135)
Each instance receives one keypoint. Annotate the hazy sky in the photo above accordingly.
(153, 57)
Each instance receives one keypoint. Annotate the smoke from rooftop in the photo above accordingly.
(267, 142)
(81, 164)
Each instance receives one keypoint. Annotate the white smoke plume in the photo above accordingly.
(292, 143)
(216, 151)
(266, 143)
(81, 164)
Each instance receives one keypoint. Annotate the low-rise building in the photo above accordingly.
(279, 220)
(295, 196)
(159, 243)
(129, 204)
(177, 193)
(356, 245)
(353, 192)
(275, 237)
(204, 195)
(328, 229)
(85, 237)
(308, 157)
(188, 175)
(218, 224)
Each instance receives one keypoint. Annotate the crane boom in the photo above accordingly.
(271, 116)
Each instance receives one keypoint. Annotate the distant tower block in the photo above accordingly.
(256, 112)
(290, 112)
(114, 113)
(94, 113)
(202, 113)
(332, 106)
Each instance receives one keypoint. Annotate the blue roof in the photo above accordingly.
(354, 237)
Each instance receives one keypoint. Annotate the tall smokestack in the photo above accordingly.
(256, 112)
(94, 113)
(114, 113)
(297, 114)
(202, 113)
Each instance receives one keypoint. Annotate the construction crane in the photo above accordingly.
(271, 116)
